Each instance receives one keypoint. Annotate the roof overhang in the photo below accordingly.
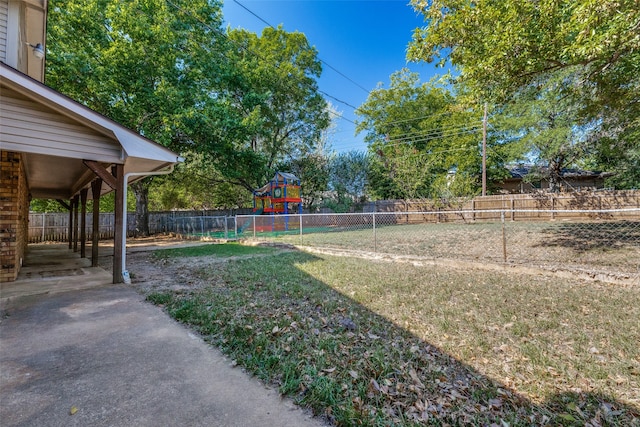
(31, 112)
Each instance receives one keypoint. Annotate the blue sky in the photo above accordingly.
(366, 40)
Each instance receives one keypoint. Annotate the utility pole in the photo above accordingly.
(484, 151)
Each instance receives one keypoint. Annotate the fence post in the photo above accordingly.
(43, 220)
(300, 216)
(513, 212)
(226, 228)
(473, 209)
(375, 236)
(254, 226)
(504, 239)
(406, 209)
(235, 226)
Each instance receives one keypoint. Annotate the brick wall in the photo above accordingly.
(14, 214)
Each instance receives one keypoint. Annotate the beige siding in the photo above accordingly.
(4, 11)
(26, 126)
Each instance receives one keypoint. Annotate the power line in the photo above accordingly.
(440, 136)
(431, 132)
(349, 79)
(341, 116)
(321, 60)
(251, 12)
(418, 118)
(246, 49)
(336, 99)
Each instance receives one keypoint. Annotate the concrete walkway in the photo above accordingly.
(112, 359)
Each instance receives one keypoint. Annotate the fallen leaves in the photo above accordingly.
(350, 363)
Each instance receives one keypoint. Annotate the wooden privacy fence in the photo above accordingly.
(54, 226)
(517, 207)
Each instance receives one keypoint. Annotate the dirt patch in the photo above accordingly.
(569, 272)
(149, 274)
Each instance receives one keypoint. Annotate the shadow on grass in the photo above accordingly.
(351, 365)
(585, 236)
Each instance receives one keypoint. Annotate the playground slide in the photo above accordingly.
(246, 224)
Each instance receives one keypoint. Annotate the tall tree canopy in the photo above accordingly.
(505, 48)
(144, 63)
(274, 111)
(167, 69)
(423, 139)
(503, 44)
(138, 62)
(545, 126)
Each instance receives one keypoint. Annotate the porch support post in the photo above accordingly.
(96, 186)
(120, 206)
(76, 203)
(83, 222)
(70, 236)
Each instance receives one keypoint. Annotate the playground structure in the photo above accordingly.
(282, 195)
(279, 195)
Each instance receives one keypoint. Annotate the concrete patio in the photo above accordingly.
(76, 350)
(53, 268)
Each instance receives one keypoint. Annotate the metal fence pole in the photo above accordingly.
(375, 236)
(254, 226)
(300, 216)
(504, 239)
(226, 228)
(235, 226)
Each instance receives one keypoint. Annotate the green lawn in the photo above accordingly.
(380, 343)
(216, 250)
(612, 247)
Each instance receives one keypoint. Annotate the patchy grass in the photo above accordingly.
(612, 247)
(216, 250)
(379, 343)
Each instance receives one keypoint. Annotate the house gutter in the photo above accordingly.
(125, 274)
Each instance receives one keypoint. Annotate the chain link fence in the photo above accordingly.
(586, 241)
(54, 226)
(213, 227)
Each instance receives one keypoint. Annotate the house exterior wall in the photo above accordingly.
(14, 215)
(4, 19)
(23, 22)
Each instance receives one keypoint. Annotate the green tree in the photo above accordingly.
(501, 45)
(419, 132)
(144, 63)
(313, 171)
(348, 174)
(505, 47)
(196, 184)
(275, 112)
(543, 125)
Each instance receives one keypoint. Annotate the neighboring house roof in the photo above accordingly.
(520, 171)
(56, 134)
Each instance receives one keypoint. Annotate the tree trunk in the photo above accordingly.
(141, 191)
(555, 171)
